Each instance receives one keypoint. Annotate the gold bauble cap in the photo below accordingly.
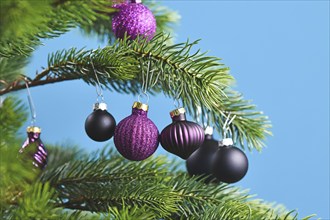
(139, 105)
(177, 112)
(33, 129)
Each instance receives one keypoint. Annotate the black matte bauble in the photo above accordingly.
(200, 162)
(100, 125)
(230, 164)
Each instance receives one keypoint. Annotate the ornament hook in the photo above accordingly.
(143, 94)
(98, 87)
(31, 104)
(1, 101)
(177, 104)
(226, 125)
(199, 115)
(146, 80)
(202, 114)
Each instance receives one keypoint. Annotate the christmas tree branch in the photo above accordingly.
(195, 79)
(18, 84)
(105, 182)
(108, 184)
(152, 184)
(21, 34)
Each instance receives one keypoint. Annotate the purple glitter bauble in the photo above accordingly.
(134, 19)
(181, 137)
(136, 136)
(34, 148)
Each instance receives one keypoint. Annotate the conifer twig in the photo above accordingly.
(200, 79)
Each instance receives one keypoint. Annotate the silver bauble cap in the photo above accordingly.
(226, 142)
(100, 105)
(208, 130)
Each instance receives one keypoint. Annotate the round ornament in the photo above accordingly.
(136, 136)
(200, 162)
(134, 19)
(34, 148)
(100, 124)
(230, 164)
(182, 137)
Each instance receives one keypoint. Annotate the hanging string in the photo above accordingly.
(226, 125)
(177, 93)
(150, 73)
(177, 103)
(145, 81)
(152, 84)
(31, 104)
(207, 122)
(1, 101)
(198, 114)
(149, 81)
(202, 117)
(201, 114)
(98, 87)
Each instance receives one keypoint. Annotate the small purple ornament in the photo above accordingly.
(134, 19)
(182, 137)
(136, 136)
(38, 153)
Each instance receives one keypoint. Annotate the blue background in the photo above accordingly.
(279, 53)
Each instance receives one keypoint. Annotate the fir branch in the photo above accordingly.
(76, 181)
(196, 79)
(113, 184)
(12, 117)
(105, 185)
(36, 203)
(17, 175)
(21, 34)
(10, 68)
(60, 18)
(136, 213)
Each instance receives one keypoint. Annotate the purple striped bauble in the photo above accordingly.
(34, 148)
(182, 137)
(136, 136)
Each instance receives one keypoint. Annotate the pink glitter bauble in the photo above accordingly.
(136, 136)
(134, 19)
